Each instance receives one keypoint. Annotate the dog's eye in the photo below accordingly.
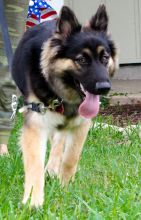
(81, 60)
(105, 59)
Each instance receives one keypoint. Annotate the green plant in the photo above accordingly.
(104, 101)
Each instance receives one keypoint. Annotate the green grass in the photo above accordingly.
(107, 184)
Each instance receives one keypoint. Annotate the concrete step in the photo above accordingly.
(129, 72)
(126, 86)
(125, 92)
(130, 99)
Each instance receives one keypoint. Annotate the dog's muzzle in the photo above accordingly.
(102, 88)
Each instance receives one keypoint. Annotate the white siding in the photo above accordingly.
(56, 4)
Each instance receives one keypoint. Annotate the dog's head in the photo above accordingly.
(78, 61)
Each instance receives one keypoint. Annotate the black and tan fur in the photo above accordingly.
(51, 61)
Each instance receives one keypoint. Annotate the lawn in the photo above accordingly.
(107, 184)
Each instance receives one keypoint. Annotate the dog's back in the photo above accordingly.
(28, 52)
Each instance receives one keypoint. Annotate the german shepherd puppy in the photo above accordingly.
(60, 68)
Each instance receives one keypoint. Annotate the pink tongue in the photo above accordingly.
(90, 106)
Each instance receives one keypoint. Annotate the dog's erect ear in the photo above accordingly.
(99, 22)
(67, 22)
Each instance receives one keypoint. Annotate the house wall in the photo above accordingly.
(125, 24)
(56, 4)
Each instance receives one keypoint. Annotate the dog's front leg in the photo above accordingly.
(33, 147)
(73, 147)
(55, 157)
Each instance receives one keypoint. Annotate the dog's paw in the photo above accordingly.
(35, 201)
(26, 196)
(64, 179)
(25, 199)
(53, 168)
(66, 175)
(53, 172)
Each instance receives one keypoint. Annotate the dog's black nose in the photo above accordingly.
(102, 88)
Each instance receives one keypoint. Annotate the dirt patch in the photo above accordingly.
(123, 115)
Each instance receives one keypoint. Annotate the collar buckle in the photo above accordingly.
(54, 104)
(42, 108)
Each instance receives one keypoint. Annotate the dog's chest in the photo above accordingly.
(52, 121)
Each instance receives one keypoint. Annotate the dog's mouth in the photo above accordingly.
(89, 107)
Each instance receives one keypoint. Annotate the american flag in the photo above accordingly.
(39, 11)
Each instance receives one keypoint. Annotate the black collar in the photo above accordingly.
(55, 105)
